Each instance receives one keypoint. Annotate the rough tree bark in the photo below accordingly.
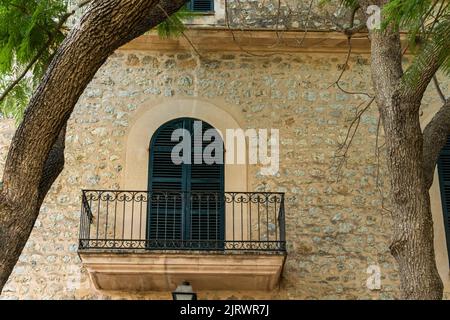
(36, 154)
(412, 244)
(435, 137)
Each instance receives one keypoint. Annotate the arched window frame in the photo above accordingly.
(190, 231)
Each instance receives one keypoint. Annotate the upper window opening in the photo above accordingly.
(201, 5)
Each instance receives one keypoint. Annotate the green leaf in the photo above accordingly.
(25, 28)
(427, 23)
(174, 26)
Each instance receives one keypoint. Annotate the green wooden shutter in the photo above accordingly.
(166, 181)
(444, 181)
(194, 209)
(206, 219)
(201, 5)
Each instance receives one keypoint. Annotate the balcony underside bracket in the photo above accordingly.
(164, 271)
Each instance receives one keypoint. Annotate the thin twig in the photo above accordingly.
(345, 65)
(351, 133)
(227, 21)
(349, 32)
(182, 32)
(439, 90)
(300, 43)
(278, 19)
(344, 68)
(441, 9)
(355, 120)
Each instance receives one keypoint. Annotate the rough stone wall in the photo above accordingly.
(287, 14)
(274, 14)
(335, 229)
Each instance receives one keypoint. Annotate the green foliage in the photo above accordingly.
(174, 25)
(345, 3)
(350, 3)
(407, 15)
(428, 25)
(437, 45)
(14, 103)
(25, 29)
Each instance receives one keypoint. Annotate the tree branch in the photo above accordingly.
(415, 92)
(308, 17)
(39, 54)
(228, 24)
(434, 138)
(352, 29)
(438, 89)
(182, 32)
(54, 164)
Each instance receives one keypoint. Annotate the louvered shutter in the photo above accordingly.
(187, 199)
(206, 207)
(166, 181)
(201, 5)
(444, 180)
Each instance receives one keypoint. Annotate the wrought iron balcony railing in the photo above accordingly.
(169, 220)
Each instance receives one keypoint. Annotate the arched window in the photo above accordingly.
(186, 208)
(444, 182)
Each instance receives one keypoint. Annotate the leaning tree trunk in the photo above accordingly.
(17, 220)
(412, 244)
(36, 158)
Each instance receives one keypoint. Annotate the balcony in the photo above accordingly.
(152, 241)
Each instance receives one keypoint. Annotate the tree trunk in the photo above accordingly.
(413, 243)
(35, 157)
(435, 137)
(15, 223)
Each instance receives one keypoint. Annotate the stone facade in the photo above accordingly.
(287, 15)
(334, 230)
(336, 222)
(275, 14)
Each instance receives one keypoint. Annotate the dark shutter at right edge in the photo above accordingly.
(444, 182)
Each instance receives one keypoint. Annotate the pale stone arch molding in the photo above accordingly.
(151, 116)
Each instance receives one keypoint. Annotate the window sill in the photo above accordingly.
(204, 13)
